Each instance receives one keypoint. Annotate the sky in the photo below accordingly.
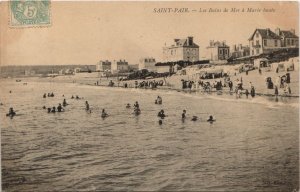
(86, 32)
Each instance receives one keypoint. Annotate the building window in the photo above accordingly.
(288, 41)
(276, 43)
(220, 51)
(257, 42)
(265, 42)
(252, 43)
(257, 35)
(257, 51)
(292, 41)
(225, 51)
(252, 52)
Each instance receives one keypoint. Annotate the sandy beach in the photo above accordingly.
(174, 82)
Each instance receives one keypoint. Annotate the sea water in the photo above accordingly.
(252, 146)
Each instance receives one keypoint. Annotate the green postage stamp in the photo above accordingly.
(24, 13)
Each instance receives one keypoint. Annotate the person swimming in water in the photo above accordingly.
(160, 122)
(195, 118)
(161, 114)
(65, 103)
(52, 94)
(77, 97)
(11, 112)
(104, 114)
(44, 107)
(44, 96)
(53, 110)
(59, 108)
(87, 105)
(72, 97)
(211, 119)
(128, 105)
(49, 110)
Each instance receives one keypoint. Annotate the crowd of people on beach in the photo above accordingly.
(144, 84)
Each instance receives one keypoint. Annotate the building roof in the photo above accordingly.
(266, 34)
(183, 43)
(218, 44)
(288, 34)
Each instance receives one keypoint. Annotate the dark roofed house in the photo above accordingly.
(264, 41)
(288, 38)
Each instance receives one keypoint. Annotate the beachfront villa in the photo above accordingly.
(240, 51)
(264, 41)
(181, 50)
(120, 66)
(217, 51)
(102, 66)
(147, 63)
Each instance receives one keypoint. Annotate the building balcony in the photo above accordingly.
(256, 46)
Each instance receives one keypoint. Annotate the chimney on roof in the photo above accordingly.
(293, 31)
(190, 41)
(268, 31)
(176, 41)
(277, 31)
(223, 43)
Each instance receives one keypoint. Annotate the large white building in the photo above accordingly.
(217, 51)
(120, 66)
(181, 50)
(147, 63)
(103, 66)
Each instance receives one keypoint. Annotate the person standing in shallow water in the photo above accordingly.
(276, 91)
(87, 106)
(183, 115)
(59, 108)
(104, 114)
(136, 105)
(65, 103)
(252, 92)
(247, 93)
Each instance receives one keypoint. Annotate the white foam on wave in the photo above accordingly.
(257, 100)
